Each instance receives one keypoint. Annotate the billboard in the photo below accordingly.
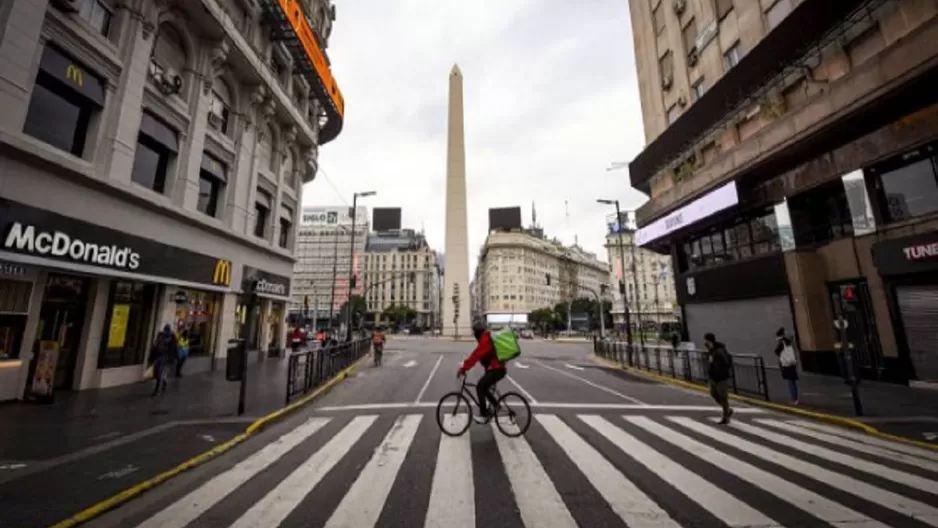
(504, 218)
(332, 215)
(386, 218)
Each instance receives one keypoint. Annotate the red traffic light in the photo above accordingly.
(847, 292)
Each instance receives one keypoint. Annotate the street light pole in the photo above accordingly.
(351, 263)
(622, 291)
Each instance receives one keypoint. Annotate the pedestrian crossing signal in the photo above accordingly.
(848, 293)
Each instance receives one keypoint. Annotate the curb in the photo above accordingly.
(848, 423)
(122, 497)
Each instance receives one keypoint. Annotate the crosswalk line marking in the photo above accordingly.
(900, 477)
(283, 499)
(547, 405)
(362, 505)
(190, 507)
(538, 501)
(629, 502)
(592, 384)
(452, 496)
(856, 446)
(868, 439)
(806, 500)
(721, 504)
(887, 499)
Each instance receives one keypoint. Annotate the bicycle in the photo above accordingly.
(377, 352)
(504, 403)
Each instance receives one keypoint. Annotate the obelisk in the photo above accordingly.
(456, 316)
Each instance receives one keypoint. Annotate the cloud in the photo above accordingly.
(550, 100)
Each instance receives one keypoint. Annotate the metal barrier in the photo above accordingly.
(747, 372)
(311, 368)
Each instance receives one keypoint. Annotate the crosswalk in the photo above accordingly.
(657, 470)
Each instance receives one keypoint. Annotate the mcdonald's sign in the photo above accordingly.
(73, 74)
(221, 275)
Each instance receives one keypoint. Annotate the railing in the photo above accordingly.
(747, 372)
(311, 368)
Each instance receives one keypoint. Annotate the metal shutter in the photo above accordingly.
(746, 326)
(919, 308)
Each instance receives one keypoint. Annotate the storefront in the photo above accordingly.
(82, 302)
(266, 329)
(909, 267)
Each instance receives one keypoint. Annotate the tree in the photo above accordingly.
(359, 307)
(543, 319)
(399, 314)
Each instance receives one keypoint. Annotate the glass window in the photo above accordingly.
(127, 325)
(58, 116)
(151, 161)
(285, 227)
(666, 65)
(219, 110)
(262, 207)
(209, 190)
(97, 14)
(911, 191)
(198, 316)
(698, 88)
(731, 57)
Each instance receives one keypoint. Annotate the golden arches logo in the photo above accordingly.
(222, 273)
(74, 74)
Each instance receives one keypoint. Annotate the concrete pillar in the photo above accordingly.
(20, 51)
(87, 375)
(240, 205)
(226, 327)
(186, 191)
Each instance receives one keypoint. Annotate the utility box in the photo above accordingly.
(237, 355)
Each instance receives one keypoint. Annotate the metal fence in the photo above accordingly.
(309, 369)
(747, 372)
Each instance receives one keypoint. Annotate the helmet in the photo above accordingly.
(479, 328)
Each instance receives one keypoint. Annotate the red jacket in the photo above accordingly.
(484, 353)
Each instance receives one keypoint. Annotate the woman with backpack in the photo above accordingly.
(788, 362)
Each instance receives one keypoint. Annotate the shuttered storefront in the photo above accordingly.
(918, 308)
(746, 326)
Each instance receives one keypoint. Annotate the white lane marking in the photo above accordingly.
(280, 501)
(901, 477)
(429, 378)
(377, 406)
(803, 499)
(12, 466)
(629, 502)
(527, 394)
(594, 385)
(535, 495)
(711, 497)
(868, 439)
(574, 367)
(856, 446)
(520, 365)
(409, 364)
(119, 473)
(557, 405)
(361, 506)
(887, 499)
(188, 508)
(452, 497)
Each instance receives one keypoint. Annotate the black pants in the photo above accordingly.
(484, 386)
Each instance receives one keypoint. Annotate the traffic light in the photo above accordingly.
(848, 293)
(548, 278)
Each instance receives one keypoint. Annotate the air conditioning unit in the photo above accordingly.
(693, 57)
(680, 6)
(667, 82)
(69, 6)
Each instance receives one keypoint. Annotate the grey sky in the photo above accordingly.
(550, 98)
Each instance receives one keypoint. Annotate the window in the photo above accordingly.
(262, 206)
(723, 8)
(156, 145)
(731, 57)
(777, 13)
(657, 15)
(666, 65)
(127, 326)
(673, 113)
(698, 88)
(169, 53)
(689, 34)
(820, 214)
(739, 239)
(198, 316)
(213, 175)
(219, 110)
(97, 14)
(909, 191)
(286, 226)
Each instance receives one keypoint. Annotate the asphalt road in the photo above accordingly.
(603, 449)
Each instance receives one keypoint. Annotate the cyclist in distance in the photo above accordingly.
(484, 353)
(377, 340)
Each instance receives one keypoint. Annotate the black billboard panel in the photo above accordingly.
(504, 218)
(386, 219)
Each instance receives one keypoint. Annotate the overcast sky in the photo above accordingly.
(550, 101)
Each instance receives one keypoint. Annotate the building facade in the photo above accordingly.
(791, 164)
(401, 269)
(511, 275)
(324, 263)
(153, 155)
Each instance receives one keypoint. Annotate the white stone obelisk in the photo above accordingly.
(456, 316)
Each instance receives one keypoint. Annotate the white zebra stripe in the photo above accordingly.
(452, 496)
(869, 439)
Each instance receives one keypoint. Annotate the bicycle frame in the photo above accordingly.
(472, 397)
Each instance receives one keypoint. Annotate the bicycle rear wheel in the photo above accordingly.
(454, 414)
(513, 414)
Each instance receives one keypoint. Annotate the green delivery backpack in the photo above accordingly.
(506, 345)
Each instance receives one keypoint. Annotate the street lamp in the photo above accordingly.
(625, 300)
(351, 262)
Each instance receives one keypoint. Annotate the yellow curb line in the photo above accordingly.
(136, 490)
(824, 417)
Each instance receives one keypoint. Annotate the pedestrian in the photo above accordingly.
(162, 354)
(788, 362)
(719, 374)
(182, 342)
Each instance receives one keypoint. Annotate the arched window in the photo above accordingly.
(219, 112)
(169, 52)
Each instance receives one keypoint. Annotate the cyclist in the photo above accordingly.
(377, 341)
(494, 370)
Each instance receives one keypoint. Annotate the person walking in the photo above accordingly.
(788, 362)
(718, 374)
(164, 351)
(182, 345)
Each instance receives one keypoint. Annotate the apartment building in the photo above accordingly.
(325, 261)
(511, 274)
(402, 270)
(791, 162)
(153, 155)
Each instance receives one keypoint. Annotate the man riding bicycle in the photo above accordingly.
(494, 369)
(377, 341)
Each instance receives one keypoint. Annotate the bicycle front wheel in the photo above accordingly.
(454, 414)
(513, 414)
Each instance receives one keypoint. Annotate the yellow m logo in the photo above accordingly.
(222, 274)
(73, 73)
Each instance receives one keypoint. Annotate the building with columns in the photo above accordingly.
(152, 158)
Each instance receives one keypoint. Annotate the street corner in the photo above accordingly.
(80, 482)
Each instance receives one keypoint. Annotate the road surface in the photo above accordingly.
(604, 449)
